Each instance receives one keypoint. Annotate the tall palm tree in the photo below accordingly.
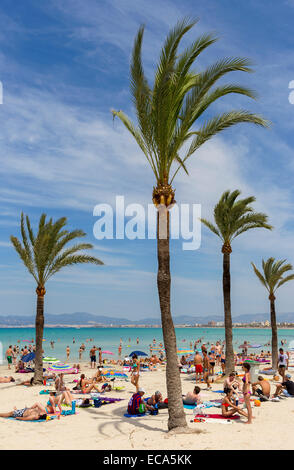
(232, 218)
(272, 278)
(166, 114)
(44, 254)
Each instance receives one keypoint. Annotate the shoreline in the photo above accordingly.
(77, 327)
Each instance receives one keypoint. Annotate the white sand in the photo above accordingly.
(107, 428)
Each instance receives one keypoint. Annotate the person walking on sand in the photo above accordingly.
(67, 352)
(206, 369)
(135, 372)
(198, 363)
(93, 356)
(119, 351)
(246, 391)
(282, 364)
(9, 356)
(100, 357)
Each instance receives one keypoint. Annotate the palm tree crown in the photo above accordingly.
(234, 217)
(44, 254)
(273, 272)
(167, 111)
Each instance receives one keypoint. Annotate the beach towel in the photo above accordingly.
(217, 391)
(212, 421)
(127, 415)
(34, 420)
(214, 416)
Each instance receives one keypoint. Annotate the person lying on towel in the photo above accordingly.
(35, 412)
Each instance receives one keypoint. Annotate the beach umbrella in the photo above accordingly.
(107, 352)
(113, 373)
(60, 367)
(50, 360)
(28, 357)
(138, 353)
(185, 351)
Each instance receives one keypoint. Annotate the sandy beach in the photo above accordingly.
(107, 428)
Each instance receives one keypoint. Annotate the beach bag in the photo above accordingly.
(142, 408)
(97, 402)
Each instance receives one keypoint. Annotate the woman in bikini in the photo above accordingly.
(86, 385)
(246, 391)
(135, 372)
(229, 407)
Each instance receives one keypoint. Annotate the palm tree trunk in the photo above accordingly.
(274, 332)
(230, 364)
(177, 418)
(39, 325)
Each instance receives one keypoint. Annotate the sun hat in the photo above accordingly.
(141, 390)
(288, 376)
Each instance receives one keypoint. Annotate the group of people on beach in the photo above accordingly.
(238, 393)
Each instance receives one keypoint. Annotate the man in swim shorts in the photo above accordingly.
(198, 361)
(9, 356)
(37, 411)
(93, 356)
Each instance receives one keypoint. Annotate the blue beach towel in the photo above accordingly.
(127, 415)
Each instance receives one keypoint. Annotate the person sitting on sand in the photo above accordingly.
(98, 377)
(232, 382)
(86, 385)
(183, 361)
(286, 387)
(193, 398)
(156, 400)
(56, 400)
(136, 400)
(37, 411)
(265, 388)
(6, 380)
(229, 407)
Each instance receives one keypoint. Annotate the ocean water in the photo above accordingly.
(109, 338)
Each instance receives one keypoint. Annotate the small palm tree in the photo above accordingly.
(272, 278)
(166, 113)
(232, 218)
(44, 255)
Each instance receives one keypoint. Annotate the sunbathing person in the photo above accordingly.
(193, 398)
(98, 377)
(55, 400)
(86, 385)
(6, 380)
(27, 383)
(229, 407)
(156, 401)
(265, 388)
(286, 387)
(37, 411)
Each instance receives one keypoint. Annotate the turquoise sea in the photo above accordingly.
(109, 338)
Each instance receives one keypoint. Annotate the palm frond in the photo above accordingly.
(45, 253)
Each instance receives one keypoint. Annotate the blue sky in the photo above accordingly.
(63, 65)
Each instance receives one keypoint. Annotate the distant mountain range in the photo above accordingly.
(83, 318)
